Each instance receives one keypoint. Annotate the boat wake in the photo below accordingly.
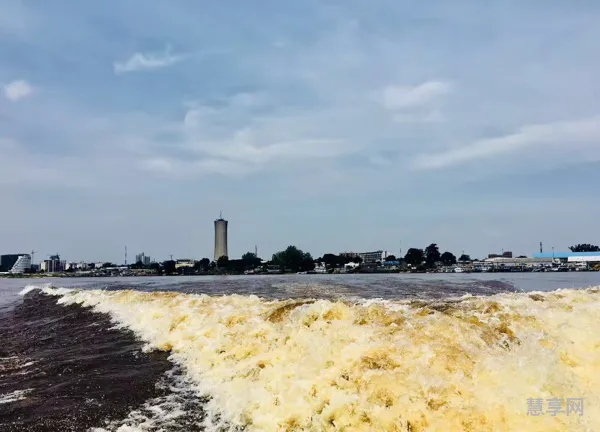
(470, 363)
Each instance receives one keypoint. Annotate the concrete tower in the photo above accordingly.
(220, 238)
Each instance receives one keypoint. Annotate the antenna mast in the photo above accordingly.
(125, 255)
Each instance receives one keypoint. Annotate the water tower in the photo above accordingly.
(220, 238)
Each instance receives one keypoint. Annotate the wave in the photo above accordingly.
(469, 363)
(14, 396)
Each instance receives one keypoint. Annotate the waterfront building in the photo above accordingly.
(184, 263)
(373, 257)
(21, 264)
(54, 265)
(507, 254)
(220, 238)
(8, 261)
(570, 257)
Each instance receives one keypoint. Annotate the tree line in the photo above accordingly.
(293, 259)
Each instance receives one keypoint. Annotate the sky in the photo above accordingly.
(330, 125)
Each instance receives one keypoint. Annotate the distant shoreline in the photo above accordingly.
(108, 275)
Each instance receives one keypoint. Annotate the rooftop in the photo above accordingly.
(565, 254)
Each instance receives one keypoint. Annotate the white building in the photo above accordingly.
(373, 257)
(184, 263)
(22, 265)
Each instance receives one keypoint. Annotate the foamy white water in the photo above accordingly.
(375, 366)
(14, 396)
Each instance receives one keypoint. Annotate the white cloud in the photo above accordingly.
(147, 61)
(434, 116)
(568, 135)
(396, 97)
(17, 90)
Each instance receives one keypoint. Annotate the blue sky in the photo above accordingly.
(331, 125)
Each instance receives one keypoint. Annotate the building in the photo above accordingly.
(373, 257)
(513, 262)
(15, 263)
(220, 238)
(184, 263)
(570, 257)
(143, 258)
(72, 266)
(507, 254)
(54, 265)
(8, 261)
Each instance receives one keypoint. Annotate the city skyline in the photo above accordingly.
(331, 126)
(220, 245)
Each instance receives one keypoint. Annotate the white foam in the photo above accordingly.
(380, 365)
(14, 396)
(46, 289)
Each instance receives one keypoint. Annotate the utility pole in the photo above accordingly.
(125, 255)
(171, 257)
(33, 257)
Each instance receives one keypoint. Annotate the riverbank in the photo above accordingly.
(110, 274)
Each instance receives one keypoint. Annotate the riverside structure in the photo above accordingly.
(220, 238)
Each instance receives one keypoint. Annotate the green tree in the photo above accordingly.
(332, 261)
(308, 263)
(432, 254)
(169, 267)
(137, 265)
(391, 258)
(585, 247)
(202, 265)
(107, 265)
(156, 267)
(465, 258)
(448, 258)
(251, 260)
(222, 262)
(293, 259)
(414, 257)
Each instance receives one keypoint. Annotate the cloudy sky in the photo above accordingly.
(332, 125)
